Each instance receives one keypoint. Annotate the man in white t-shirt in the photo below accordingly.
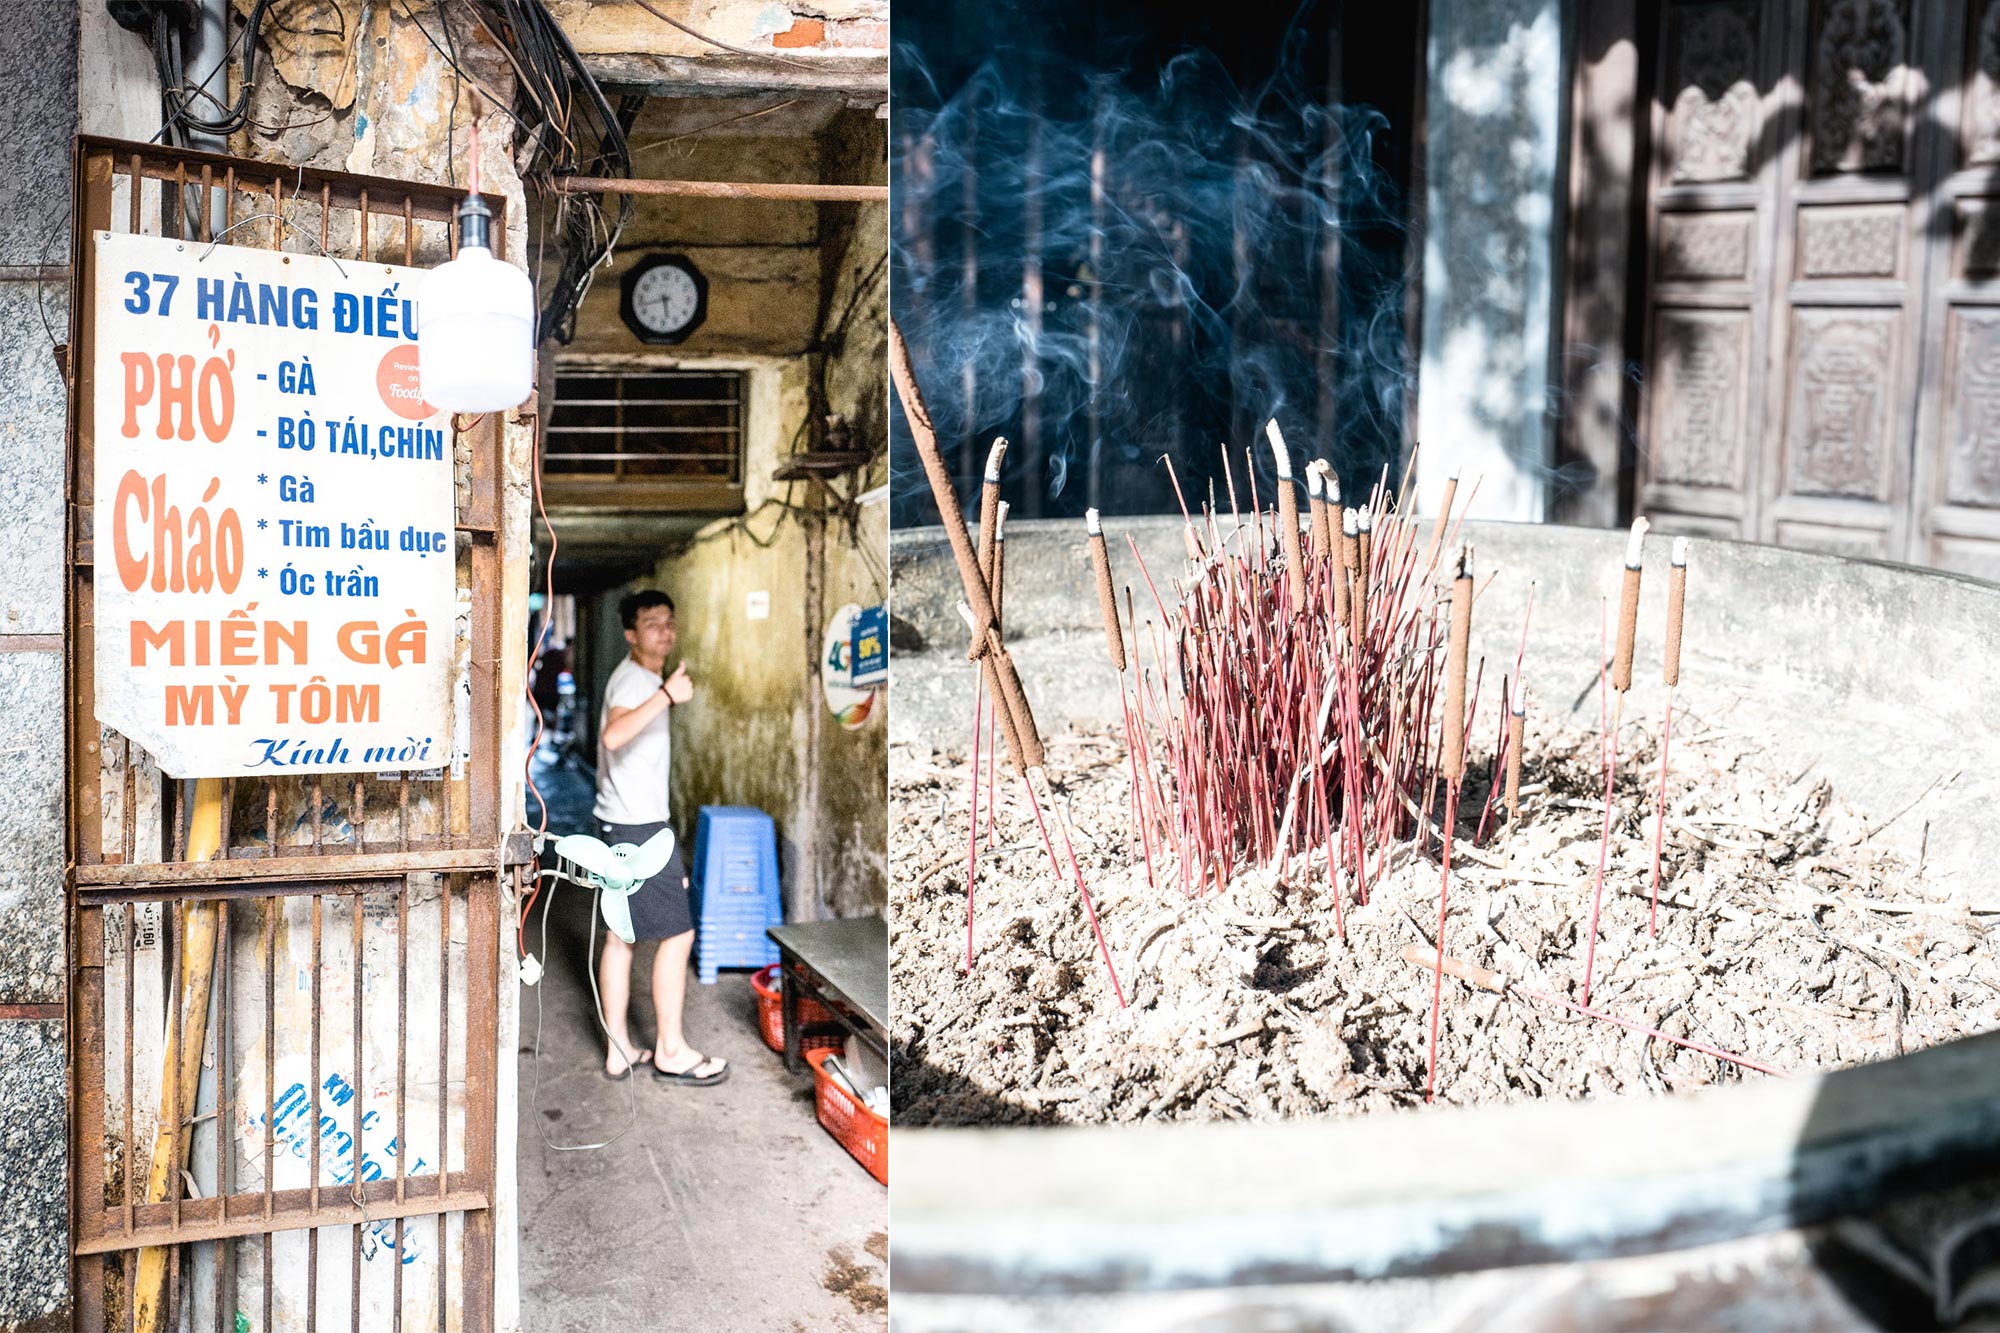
(633, 751)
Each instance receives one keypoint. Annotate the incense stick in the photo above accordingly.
(1621, 681)
(989, 524)
(1457, 649)
(1288, 516)
(1114, 642)
(1023, 739)
(999, 585)
(1670, 675)
(1322, 527)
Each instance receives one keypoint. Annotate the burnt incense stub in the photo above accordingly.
(1628, 608)
(1322, 522)
(1107, 600)
(1677, 578)
(1457, 653)
(1517, 727)
(1438, 521)
(1288, 518)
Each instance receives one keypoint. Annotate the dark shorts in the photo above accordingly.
(660, 906)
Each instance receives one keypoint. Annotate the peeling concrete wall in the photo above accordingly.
(838, 44)
(761, 257)
(38, 46)
(747, 739)
(852, 781)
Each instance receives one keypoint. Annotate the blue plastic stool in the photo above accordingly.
(736, 889)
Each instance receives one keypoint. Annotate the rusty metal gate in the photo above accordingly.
(1821, 322)
(354, 917)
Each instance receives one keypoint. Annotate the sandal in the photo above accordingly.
(638, 1058)
(703, 1073)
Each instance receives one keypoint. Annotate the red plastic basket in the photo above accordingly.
(771, 1013)
(864, 1134)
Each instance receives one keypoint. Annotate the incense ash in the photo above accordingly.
(1309, 889)
(1783, 936)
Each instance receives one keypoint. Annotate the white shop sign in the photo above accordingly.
(274, 522)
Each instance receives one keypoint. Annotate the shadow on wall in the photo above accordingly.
(1494, 107)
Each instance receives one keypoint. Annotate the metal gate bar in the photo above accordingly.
(274, 853)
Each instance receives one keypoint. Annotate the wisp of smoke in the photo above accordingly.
(1111, 264)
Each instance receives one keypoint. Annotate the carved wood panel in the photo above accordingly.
(1837, 427)
(1858, 85)
(1851, 242)
(1705, 246)
(1712, 127)
(1955, 496)
(1822, 301)
(1972, 420)
(1700, 360)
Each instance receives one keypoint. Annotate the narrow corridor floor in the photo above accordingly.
(725, 1207)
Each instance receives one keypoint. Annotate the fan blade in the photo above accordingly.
(588, 853)
(650, 857)
(617, 911)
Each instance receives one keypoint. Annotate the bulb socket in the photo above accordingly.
(475, 223)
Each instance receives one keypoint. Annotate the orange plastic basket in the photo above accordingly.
(864, 1134)
(771, 1013)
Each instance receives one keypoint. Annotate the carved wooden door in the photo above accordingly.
(1816, 342)
(1957, 476)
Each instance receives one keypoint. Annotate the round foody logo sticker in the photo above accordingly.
(396, 378)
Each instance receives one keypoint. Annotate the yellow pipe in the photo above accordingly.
(182, 1062)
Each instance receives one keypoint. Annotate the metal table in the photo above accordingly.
(844, 965)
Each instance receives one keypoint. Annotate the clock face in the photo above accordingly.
(665, 302)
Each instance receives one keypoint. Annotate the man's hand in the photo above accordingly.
(678, 687)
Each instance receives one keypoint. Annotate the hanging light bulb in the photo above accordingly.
(475, 320)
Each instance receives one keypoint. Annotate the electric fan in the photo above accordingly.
(616, 872)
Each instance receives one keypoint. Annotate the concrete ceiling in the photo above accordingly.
(598, 551)
(776, 115)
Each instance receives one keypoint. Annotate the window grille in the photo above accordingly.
(646, 438)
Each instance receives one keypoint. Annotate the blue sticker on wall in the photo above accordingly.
(871, 646)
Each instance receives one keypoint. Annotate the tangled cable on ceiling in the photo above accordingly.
(565, 124)
(567, 127)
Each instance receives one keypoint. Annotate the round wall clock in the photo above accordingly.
(664, 298)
